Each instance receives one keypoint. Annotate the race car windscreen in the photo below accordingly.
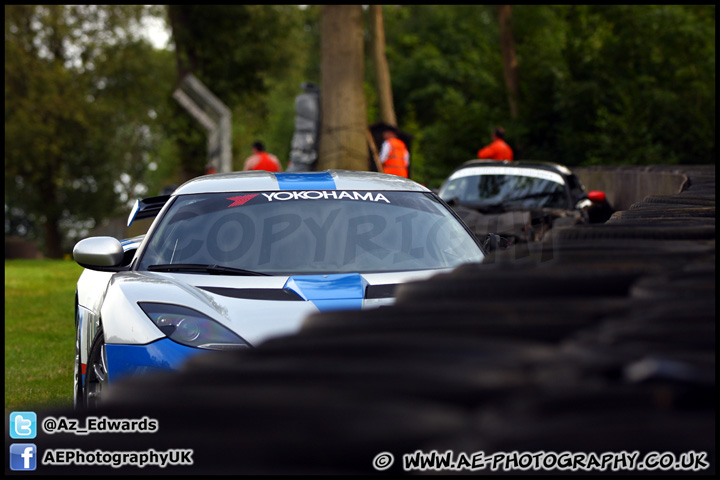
(311, 232)
(506, 186)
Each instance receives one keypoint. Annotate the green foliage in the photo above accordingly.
(273, 122)
(655, 72)
(447, 76)
(635, 85)
(598, 84)
(84, 99)
(235, 48)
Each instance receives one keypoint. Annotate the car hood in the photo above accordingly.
(255, 307)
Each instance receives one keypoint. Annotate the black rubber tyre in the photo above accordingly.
(686, 285)
(563, 281)
(96, 377)
(664, 221)
(659, 210)
(78, 394)
(680, 200)
(650, 232)
(529, 320)
(451, 382)
(410, 346)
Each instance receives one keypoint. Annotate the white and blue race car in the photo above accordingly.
(234, 259)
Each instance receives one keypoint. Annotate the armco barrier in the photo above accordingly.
(626, 185)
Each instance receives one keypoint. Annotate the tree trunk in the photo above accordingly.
(184, 55)
(343, 144)
(184, 131)
(507, 44)
(383, 84)
(53, 240)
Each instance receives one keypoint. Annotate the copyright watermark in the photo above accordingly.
(383, 461)
(546, 461)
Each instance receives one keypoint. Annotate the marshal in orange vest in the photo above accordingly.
(261, 160)
(394, 155)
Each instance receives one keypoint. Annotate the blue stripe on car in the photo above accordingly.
(305, 181)
(164, 354)
(330, 292)
(129, 246)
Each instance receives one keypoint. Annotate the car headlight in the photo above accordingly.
(190, 327)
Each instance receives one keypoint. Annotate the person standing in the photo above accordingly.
(262, 160)
(498, 149)
(394, 155)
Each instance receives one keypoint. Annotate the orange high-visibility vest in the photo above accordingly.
(497, 150)
(265, 163)
(395, 163)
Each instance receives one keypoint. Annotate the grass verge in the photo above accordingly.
(39, 332)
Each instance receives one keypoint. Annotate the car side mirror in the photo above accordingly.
(99, 253)
(593, 199)
(596, 196)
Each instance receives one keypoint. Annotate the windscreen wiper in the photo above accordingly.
(198, 267)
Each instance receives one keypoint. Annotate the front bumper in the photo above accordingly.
(158, 356)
